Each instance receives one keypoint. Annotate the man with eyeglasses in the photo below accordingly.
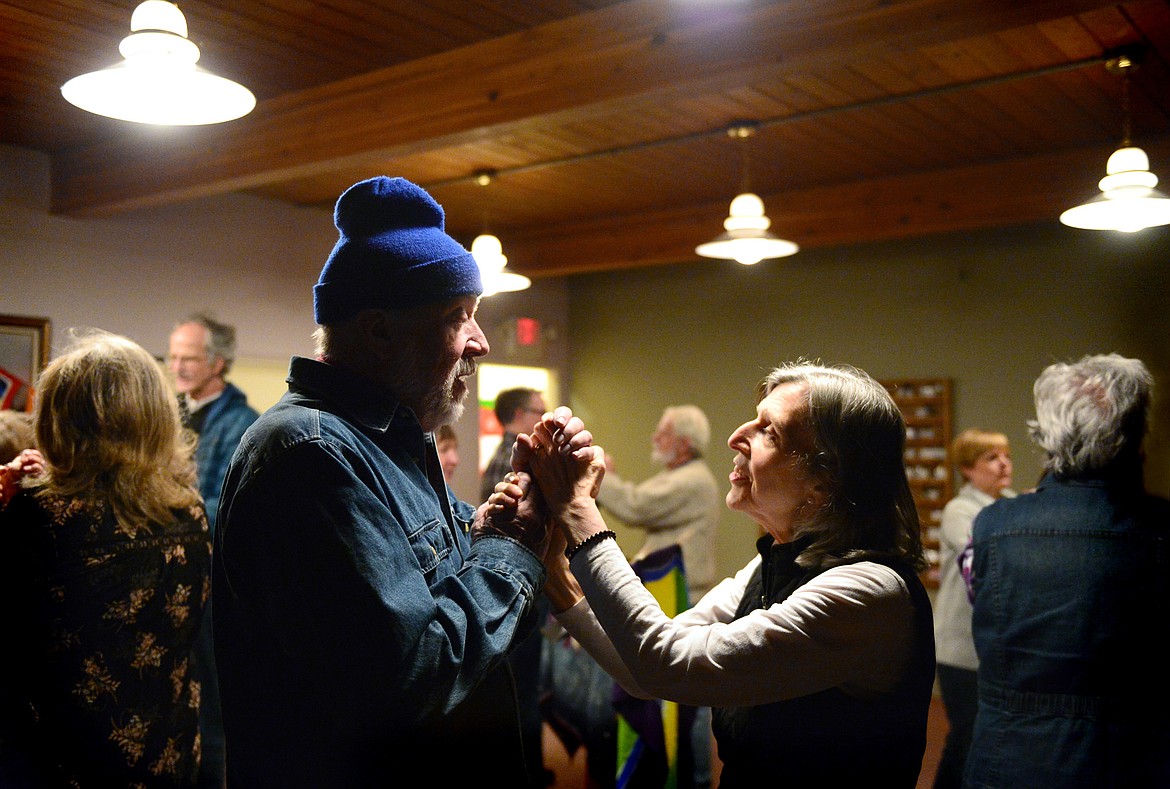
(518, 409)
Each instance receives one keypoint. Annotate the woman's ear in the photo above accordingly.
(818, 494)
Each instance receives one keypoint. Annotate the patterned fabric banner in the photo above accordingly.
(653, 736)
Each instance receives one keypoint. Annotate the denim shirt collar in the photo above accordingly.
(1123, 477)
(387, 421)
(353, 396)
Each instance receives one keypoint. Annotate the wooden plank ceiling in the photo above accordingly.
(606, 121)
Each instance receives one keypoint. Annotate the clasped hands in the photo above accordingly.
(556, 471)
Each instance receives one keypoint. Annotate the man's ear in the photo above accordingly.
(218, 366)
(376, 331)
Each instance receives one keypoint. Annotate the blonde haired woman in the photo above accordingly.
(984, 459)
(103, 581)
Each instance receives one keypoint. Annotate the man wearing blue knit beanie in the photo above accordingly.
(362, 612)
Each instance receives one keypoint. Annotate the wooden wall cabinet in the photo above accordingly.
(926, 406)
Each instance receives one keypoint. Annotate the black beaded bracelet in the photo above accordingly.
(604, 534)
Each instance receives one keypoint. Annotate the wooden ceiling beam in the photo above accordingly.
(1015, 192)
(566, 69)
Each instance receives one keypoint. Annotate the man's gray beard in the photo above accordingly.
(659, 458)
(443, 408)
(413, 384)
(438, 405)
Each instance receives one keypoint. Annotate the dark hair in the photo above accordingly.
(859, 438)
(446, 433)
(509, 401)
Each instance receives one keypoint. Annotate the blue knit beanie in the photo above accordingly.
(392, 252)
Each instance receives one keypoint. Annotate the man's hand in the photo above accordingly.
(516, 510)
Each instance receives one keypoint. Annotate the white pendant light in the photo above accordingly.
(746, 238)
(489, 255)
(159, 81)
(1128, 201)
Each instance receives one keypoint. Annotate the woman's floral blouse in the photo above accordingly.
(96, 683)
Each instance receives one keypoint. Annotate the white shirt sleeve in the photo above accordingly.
(850, 627)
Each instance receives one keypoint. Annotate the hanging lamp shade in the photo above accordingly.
(746, 238)
(1128, 201)
(159, 81)
(489, 254)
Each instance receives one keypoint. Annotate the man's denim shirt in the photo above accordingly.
(352, 610)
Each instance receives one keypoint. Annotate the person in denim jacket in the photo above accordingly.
(362, 612)
(1071, 588)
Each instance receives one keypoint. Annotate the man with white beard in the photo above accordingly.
(362, 612)
(680, 505)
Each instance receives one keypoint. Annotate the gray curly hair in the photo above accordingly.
(1091, 414)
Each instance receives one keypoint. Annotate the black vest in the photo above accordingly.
(828, 738)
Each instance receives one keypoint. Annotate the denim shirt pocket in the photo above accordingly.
(431, 544)
(464, 515)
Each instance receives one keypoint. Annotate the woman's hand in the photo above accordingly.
(29, 462)
(567, 465)
(559, 429)
(568, 470)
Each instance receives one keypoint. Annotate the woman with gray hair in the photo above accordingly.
(818, 656)
(1091, 416)
(1071, 590)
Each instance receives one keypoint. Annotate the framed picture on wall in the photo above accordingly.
(24, 352)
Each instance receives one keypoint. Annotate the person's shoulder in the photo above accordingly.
(699, 467)
(503, 454)
(999, 508)
(962, 503)
(237, 402)
(867, 578)
(696, 471)
(1009, 512)
(872, 587)
(287, 425)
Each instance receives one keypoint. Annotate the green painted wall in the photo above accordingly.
(989, 310)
